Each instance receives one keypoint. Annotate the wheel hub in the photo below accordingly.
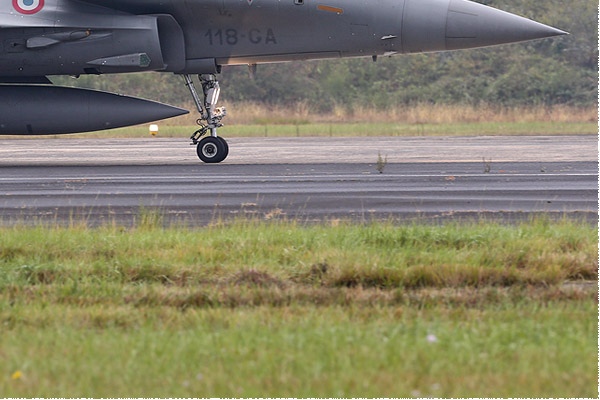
(209, 150)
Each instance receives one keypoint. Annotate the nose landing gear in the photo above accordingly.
(211, 149)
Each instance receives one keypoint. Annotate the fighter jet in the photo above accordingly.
(42, 38)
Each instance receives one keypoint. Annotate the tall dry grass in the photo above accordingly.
(302, 113)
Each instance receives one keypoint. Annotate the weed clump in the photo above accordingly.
(256, 278)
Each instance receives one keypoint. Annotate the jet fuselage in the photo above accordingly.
(69, 37)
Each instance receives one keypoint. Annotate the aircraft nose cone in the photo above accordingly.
(471, 25)
(438, 25)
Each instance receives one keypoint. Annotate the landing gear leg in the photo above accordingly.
(211, 149)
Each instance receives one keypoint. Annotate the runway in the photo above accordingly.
(309, 179)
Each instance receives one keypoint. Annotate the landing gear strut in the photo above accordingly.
(211, 149)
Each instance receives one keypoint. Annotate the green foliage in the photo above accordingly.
(281, 309)
(553, 71)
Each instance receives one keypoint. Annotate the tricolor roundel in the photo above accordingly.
(28, 6)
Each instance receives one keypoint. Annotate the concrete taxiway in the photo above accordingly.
(312, 179)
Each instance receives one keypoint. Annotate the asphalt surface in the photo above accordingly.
(310, 179)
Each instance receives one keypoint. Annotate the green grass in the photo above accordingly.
(380, 255)
(280, 309)
(520, 350)
(364, 129)
(425, 129)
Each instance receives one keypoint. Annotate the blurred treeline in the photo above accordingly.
(548, 72)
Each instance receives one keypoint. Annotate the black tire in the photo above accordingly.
(226, 146)
(211, 150)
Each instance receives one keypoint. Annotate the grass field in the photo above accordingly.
(363, 129)
(281, 309)
(254, 120)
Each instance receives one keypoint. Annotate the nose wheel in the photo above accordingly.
(212, 150)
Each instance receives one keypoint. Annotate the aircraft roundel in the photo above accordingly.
(28, 6)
